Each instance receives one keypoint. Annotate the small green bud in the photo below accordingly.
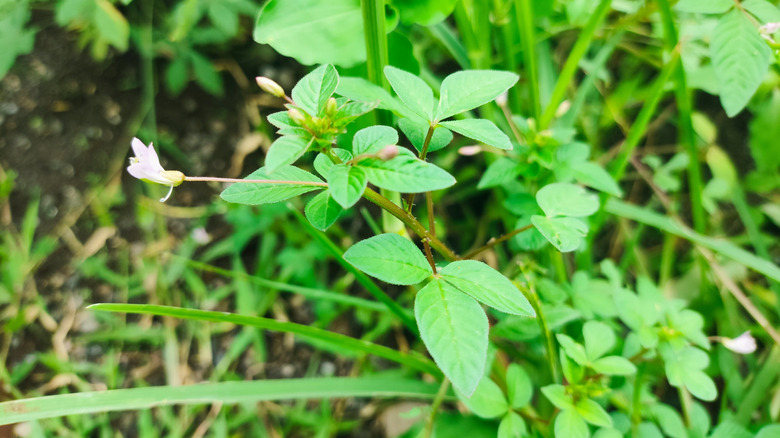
(296, 116)
(331, 107)
(269, 86)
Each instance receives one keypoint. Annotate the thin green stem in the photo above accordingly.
(376, 60)
(147, 67)
(572, 61)
(495, 241)
(685, 403)
(757, 393)
(416, 362)
(254, 181)
(636, 400)
(686, 133)
(445, 385)
(525, 20)
(411, 222)
(639, 127)
(533, 298)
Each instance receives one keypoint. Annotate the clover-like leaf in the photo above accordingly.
(565, 233)
(561, 199)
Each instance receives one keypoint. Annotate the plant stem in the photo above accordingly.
(639, 128)
(533, 298)
(525, 20)
(686, 134)
(376, 60)
(495, 241)
(572, 61)
(757, 393)
(411, 222)
(254, 181)
(445, 385)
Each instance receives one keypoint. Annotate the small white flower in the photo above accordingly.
(770, 28)
(146, 166)
(742, 344)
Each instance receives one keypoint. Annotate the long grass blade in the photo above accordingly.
(412, 360)
(223, 392)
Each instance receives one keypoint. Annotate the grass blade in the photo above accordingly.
(224, 392)
(722, 247)
(413, 361)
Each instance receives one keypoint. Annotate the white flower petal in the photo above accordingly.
(742, 344)
(139, 148)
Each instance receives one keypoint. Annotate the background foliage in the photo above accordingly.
(624, 192)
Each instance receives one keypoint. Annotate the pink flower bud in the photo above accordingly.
(388, 152)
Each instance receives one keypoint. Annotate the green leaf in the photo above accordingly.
(322, 211)
(648, 430)
(519, 387)
(285, 151)
(406, 174)
(390, 258)
(769, 431)
(669, 419)
(373, 139)
(468, 89)
(313, 31)
(558, 397)
(730, 429)
(205, 74)
(570, 424)
(488, 400)
(573, 349)
(699, 384)
(313, 91)
(362, 90)
(614, 366)
(323, 163)
(561, 199)
(416, 131)
(266, 193)
(281, 119)
(704, 6)
(487, 286)
(223, 17)
(111, 24)
(347, 183)
(741, 59)
(499, 172)
(572, 371)
(593, 413)
(595, 176)
(512, 426)
(237, 392)
(176, 75)
(424, 12)
(599, 339)
(412, 91)
(481, 130)
(763, 10)
(565, 233)
(454, 328)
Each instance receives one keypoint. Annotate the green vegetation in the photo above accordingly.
(526, 212)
